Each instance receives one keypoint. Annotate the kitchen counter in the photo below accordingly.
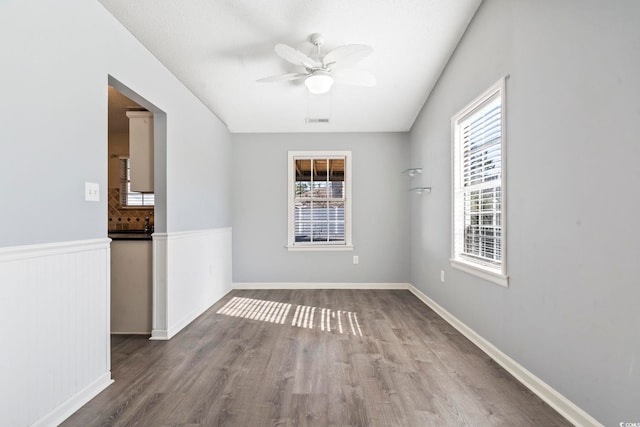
(131, 283)
(129, 235)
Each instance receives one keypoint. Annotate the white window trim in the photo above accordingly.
(487, 272)
(291, 243)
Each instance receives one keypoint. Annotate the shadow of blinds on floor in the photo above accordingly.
(304, 316)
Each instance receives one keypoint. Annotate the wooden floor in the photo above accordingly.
(408, 368)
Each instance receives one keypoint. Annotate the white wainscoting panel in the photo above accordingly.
(192, 271)
(54, 312)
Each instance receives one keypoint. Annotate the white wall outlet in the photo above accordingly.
(442, 276)
(356, 260)
(91, 192)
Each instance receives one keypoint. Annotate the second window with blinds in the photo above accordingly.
(319, 206)
(478, 235)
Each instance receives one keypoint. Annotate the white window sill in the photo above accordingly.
(319, 247)
(483, 273)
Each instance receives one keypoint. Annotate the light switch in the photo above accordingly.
(91, 192)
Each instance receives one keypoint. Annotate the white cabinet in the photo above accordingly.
(131, 286)
(141, 150)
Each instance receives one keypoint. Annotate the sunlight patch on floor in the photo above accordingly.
(304, 316)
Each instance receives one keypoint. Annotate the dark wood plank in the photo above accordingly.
(408, 368)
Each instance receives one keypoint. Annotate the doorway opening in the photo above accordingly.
(136, 209)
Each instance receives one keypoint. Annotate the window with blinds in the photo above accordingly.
(319, 199)
(478, 211)
(130, 198)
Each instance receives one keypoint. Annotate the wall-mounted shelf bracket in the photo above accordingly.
(420, 190)
(412, 171)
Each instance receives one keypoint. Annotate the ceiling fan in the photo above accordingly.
(320, 72)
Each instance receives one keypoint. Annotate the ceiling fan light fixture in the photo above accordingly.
(319, 82)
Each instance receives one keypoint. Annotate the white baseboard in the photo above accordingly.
(557, 401)
(181, 324)
(159, 335)
(313, 285)
(71, 405)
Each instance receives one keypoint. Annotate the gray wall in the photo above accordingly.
(53, 130)
(380, 216)
(570, 315)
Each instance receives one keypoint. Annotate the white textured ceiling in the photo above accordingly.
(219, 48)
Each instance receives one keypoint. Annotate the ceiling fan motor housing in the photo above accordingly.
(316, 39)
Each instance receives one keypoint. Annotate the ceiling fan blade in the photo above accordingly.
(295, 57)
(283, 77)
(355, 77)
(346, 56)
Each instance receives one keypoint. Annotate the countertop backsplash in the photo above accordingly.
(129, 218)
